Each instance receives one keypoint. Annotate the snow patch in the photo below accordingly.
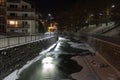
(78, 45)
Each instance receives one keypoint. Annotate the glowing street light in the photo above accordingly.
(49, 15)
(100, 14)
(113, 6)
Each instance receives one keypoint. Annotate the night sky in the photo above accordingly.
(53, 6)
(73, 7)
(56, 6)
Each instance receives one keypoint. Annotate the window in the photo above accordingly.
(1, 18)
(12, 30)
(13, 14)
(2, 2)
(13, 23)
(24, 23)
(24, 31)
(24, 6)
(2, 10)
(16, 6)
(13, 6)
(25, 15)
(2, 26)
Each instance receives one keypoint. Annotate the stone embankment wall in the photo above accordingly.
(15, 57)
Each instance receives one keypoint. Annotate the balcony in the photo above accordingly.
(28, 10)
(21, 9)
(13, 9)
(21, 18)
(19, 26)
(14, 1)
(28, 18)
(2, 12)
(25, 26)
(2, 4)
(2, 21)
(14, 17)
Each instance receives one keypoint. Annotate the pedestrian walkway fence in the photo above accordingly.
(12, 41)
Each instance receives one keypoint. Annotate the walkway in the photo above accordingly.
(95, 68)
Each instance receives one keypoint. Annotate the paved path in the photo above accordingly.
(95, 68)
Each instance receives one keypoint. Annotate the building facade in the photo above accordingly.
(2, 16)
(20, 17)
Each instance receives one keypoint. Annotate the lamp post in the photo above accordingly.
(49, 22)
(113, 6)
(108, 12)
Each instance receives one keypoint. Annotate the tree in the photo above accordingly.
(41, 27)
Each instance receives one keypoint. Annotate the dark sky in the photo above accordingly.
(57, 7)
(54, 6)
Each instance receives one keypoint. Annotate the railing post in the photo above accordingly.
(25, 38)
(31, 37)
(4, 42)
(39, 36)
(35, 37)
(18, 40)
(8, 41)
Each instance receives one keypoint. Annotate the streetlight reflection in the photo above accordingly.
(48, 65)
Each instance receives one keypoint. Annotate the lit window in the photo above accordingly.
(2, 2)
(13, 23)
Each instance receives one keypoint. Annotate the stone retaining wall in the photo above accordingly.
(15, 57)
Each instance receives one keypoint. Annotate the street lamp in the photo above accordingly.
(49, 23)
(113, 6)
(108, 12)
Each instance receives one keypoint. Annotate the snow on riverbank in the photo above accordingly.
(78, 45)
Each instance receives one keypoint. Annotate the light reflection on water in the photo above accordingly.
(47, 60)
(47, 65)
(48, 68)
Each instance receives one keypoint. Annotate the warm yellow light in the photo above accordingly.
(16, 24)
(52, 27)
(13, 23)
(2, 2)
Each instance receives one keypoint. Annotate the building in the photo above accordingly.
(2, 16)
(20, 17)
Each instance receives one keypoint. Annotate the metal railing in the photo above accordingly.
(14, 41)
(110, 50)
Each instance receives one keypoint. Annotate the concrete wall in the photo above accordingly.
(16, 57)
(110, 51)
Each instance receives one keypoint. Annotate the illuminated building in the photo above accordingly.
(52, 27)
(2, 16)
(20, 17)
